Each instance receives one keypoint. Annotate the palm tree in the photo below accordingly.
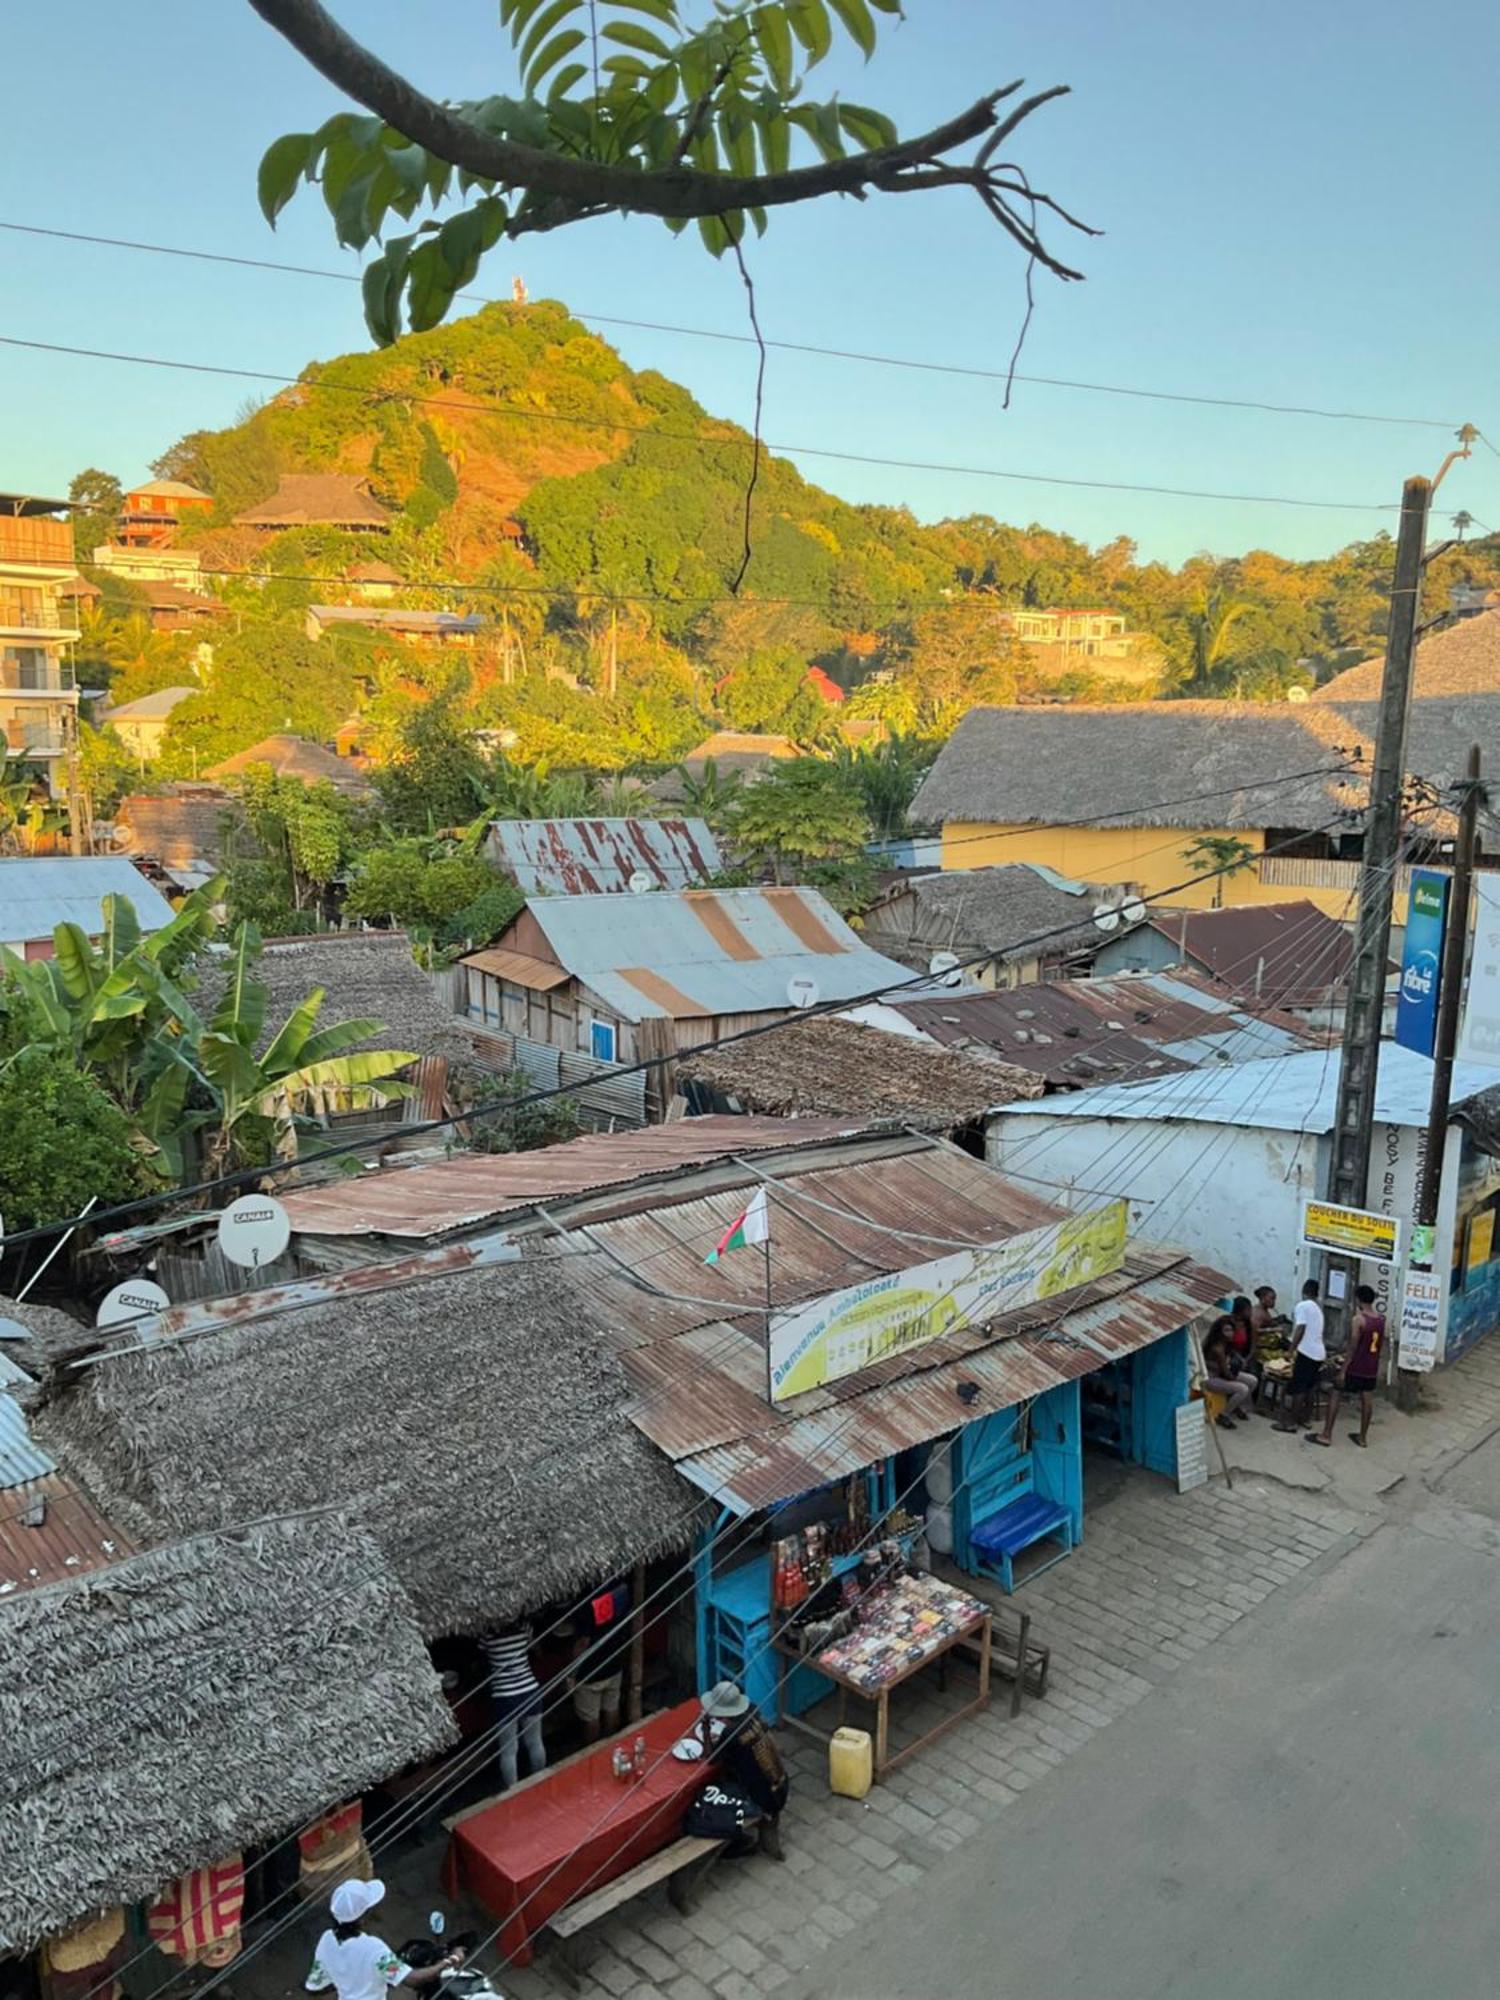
(1210, 620)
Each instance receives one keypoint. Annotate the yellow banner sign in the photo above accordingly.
(850, 1330)
(1351, 1232)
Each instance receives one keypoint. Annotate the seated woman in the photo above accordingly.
(745, 1751)
(1242, 1338)
(1222, 1373)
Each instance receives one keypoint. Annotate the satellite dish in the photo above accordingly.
(1134, 912)
(12, 1329)
(641, 883)
(802, 991)
(137, 1299)
(944, 965)
(1106, 916)
(254, 1230)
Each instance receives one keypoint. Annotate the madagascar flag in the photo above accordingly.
(754, 1226)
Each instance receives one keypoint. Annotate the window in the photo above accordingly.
(602, 1040)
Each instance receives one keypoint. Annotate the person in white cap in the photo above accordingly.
(356, 1965)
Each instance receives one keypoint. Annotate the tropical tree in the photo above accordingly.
(1223, 853)
(63, 1139)
(95, 498)
(710, 793)
(886, 776)
(801, 812)
(683, 122)
(1211, 620)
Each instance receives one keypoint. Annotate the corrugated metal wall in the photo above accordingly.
(602, 1094)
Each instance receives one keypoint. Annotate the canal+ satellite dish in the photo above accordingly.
(802, 991)
(944, 965)
(641, 883)
(131, 1304)
(1106, 916)
(1133, 911)
(254, 1230)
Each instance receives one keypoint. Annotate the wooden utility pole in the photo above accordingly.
(1354, 1115)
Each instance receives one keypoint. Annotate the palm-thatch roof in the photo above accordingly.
(327, 499)
(293, 757)
(183, 826)
(478, 1425)
(367, 975)
(1000, 911)
(187, 1702)
(1463, 659)
(830, 1067)
(1126, 765)
(53, 1336)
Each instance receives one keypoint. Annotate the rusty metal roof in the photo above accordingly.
(471, 1188)
(49, 1530)
(588, 857)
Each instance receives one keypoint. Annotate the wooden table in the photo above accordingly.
(855, 1665)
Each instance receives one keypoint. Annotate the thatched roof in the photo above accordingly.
(54, 1336)
(293, 757)
(367, 975)
(183, 826)
(329, 499)
(1462, 659)
(477, 1425)
(1002, 911)
(831, 1067)
(187, 1702)
(1117, 765)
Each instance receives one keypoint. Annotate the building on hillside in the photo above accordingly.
(78, 593)
(150, 515)
(830, 1067)
(141, 724)
(36, 895)
(593, 857)
(173, 608)
(412, 628)
(1226, 1171)
(374, 582)
(1088, 634)
(38, 690)
(1283, 955)
(1126, 794)
(824, 686)
(155, 564)
(292, 757)
(1458, 660)
(318, 499)
(1007, 925)
(623, 978)
(187, 831)
(1073, 1033)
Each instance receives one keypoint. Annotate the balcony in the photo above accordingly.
(37, 742)
(49, 544)
(1291, 871)
(37, 621)
(38, 675)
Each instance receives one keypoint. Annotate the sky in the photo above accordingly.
(1298, 204)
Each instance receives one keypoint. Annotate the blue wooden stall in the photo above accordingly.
(1018, 1484)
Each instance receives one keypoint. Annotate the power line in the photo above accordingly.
(959, 369)
(743, 442)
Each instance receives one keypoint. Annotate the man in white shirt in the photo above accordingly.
(1309, 1352)
(356, 1965)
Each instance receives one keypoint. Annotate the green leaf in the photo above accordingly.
(855, 16)
(353, 1073)
(429, 288)
(773, 36)
(809, 21)
(737, 136)
(715, 233)
(821, 123)
(775, 141)
(631, 35)
(664, 11)
(572, 73)
(555, 12)
(282, 166)
(335, 1040)
(230, 1068)
(869, 130)
(381, 286)
(286, 1049)
(241, 1011)
(559, 46)
(122, 931)
(77, 966)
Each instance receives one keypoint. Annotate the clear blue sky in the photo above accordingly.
(1299, 200)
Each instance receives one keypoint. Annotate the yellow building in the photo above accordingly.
(1128, 795)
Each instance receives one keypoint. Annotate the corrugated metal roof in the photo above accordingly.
(38, 894)
(50, 1530)
(471, 1188)
(519, 967)
(586, 857)
(20, 1459)
(720, 951)
(1285, 1094)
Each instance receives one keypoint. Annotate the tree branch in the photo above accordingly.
(584, 185)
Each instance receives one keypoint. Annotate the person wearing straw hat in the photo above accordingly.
(356, 1965)
(745, 1751)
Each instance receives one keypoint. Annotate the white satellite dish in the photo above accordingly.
(944, 965)
(802, 991)
(134, 1301)
(1134, 912)
(641, 883)
(1106, 916)
(254, 1230)
(12, 1329)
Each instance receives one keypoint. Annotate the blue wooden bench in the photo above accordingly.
(999, 1538)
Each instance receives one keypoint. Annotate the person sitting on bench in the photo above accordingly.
(745, 1752)
(1222, 1374)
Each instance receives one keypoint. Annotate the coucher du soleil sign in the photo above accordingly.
(848, 1330)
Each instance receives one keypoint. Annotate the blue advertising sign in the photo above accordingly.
(1422, 961)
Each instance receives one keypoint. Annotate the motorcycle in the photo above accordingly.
(460, 1982)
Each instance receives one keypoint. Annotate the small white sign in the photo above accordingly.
(1421, 1315)
(254, 1230)
(130, 1304)
(1192, 1446)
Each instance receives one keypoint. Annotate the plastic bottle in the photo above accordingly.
(639, 1758)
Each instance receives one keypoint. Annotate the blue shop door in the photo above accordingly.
(1161, 1387)
(991, 1468)
(1057, 1450)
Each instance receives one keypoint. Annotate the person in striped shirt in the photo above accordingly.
(517, 1697)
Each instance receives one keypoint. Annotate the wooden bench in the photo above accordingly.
(999, 1538)
(684, 1867)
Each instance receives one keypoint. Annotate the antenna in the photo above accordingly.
(802, 991)
(128, 1304)
(254, 1230)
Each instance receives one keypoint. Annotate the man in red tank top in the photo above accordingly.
(1360, 1371)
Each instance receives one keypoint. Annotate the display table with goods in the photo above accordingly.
(895, 1628)
(565, 1833)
